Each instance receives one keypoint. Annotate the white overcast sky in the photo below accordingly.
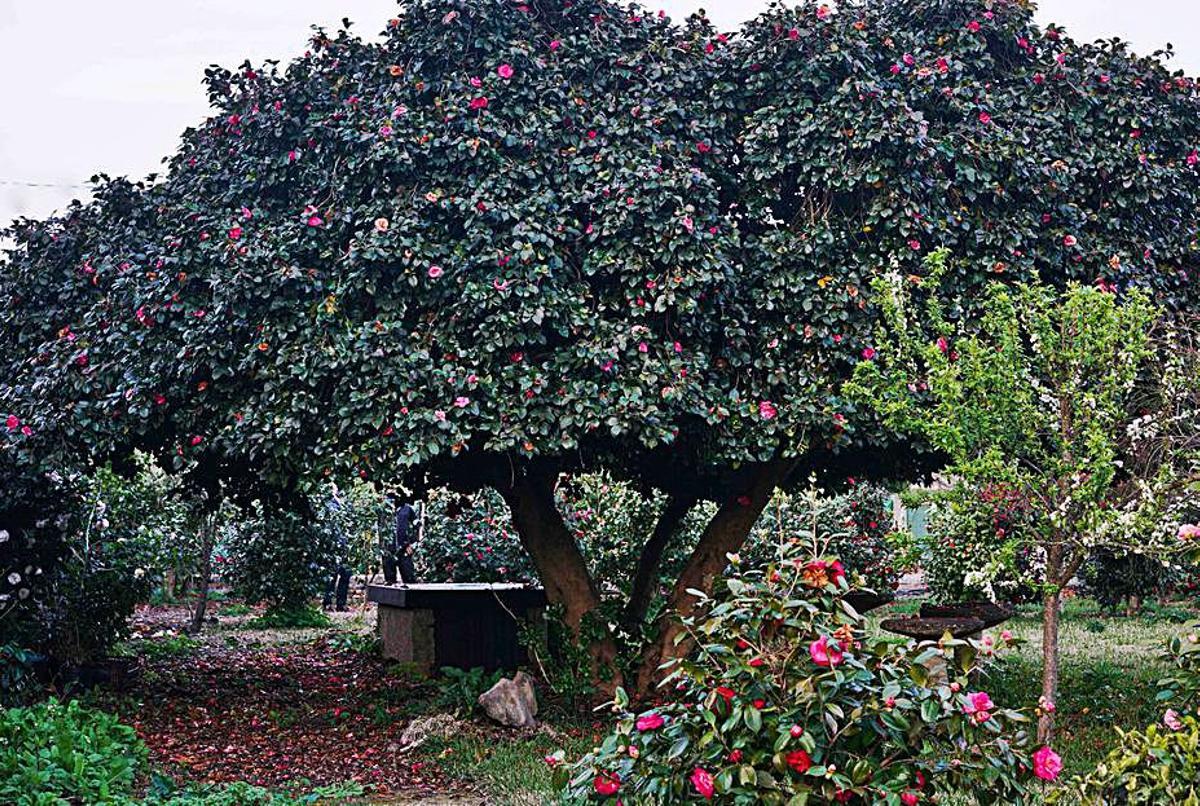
(89, 86)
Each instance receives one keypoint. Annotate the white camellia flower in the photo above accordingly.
(14, 578)
(3, 535)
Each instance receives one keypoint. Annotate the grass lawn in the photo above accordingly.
(1110, 667)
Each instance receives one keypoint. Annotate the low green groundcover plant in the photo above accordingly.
(59, 753)
(56, 752)
(784, 699)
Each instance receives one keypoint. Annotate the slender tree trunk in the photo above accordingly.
(725, 533)
(206, 549)
(645, 579)
(1050, 618)
(561, 566)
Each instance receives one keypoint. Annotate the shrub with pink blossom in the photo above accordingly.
(785, 698)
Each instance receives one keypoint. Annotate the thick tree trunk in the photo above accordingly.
(205, 572)
(645, 579)
(1050, 619)
(560, 565)
(725, 533)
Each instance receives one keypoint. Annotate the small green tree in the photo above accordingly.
(1072, 398)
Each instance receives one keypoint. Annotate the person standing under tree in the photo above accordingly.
(339, 579)
(397, 553)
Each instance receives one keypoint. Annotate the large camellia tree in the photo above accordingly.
(507, 241)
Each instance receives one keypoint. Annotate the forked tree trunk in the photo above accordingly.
(560, 566)
(725, 534)
(645, 579)
(206, 549)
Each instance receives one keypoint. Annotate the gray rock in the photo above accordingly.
(511, 702)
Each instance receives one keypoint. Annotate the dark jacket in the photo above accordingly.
(404, 533)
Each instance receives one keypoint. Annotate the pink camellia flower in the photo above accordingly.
(1047, 764)
(822, 12)
(555, 44)
(793, 34)
(196, 440)
(440, 416)
(12, 422)
(943, 345)
(435, 272)
(909, 798)
(26, 431)
(1189, 531)
(824, 653)
(386, 130)
(985, 118)
(908, 59)
(1005, 635)
(651, 721)
(235, 233)
(479, 103)
(978, 702)
(868, 353)
(1193, 157)
(476, 81)
(894, 69)
(1069, 240)
(315, 220)
(1171, 720)
(246, 212)
(973, 26)
(606, 783)
(505, 71)
(461, 402)
(702, 780)
(767, 410)
(1046, 704)
(914, 245)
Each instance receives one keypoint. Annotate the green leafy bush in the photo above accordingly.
(459, 689)
(785, 700)
(1158, 766)
(278, 556)
(289, 618)
(54, 750)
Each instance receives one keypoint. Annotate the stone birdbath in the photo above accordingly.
(961, 620)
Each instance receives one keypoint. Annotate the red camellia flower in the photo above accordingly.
(756, 662)
(235, 233)
(796, 731)
(868, 353)
(196, 440)
(799, 761)
(909, 798)
(12, 422)
(985, 118)
(606, 783)
(767, 410)
(651, 721)
(725, 692)
(479, 103)
(825, 653)
(735, 757)
(702, 780)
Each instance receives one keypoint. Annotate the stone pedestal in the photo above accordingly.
(460, 625)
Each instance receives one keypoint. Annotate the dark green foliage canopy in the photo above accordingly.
(580, 234)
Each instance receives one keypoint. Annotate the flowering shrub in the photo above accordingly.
(470, 538)
(974, 547)
(784, 696)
